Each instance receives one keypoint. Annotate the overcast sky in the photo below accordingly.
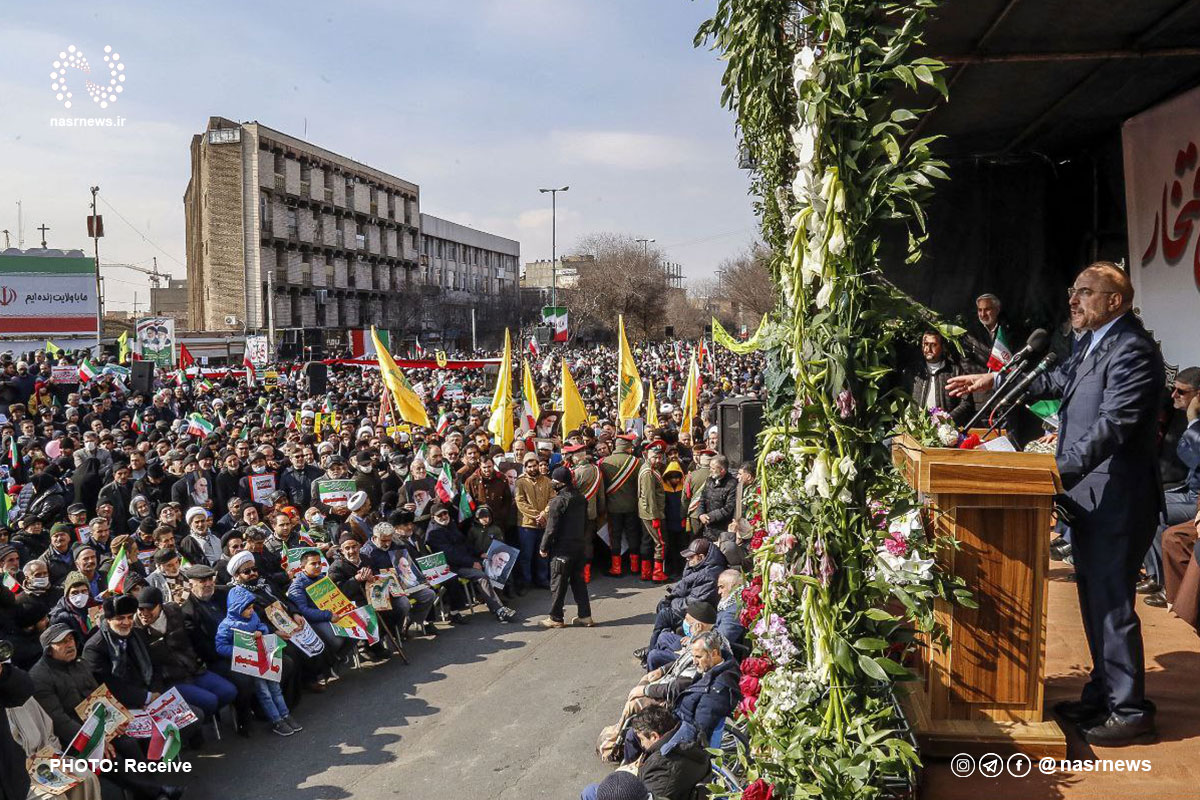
(479, 103)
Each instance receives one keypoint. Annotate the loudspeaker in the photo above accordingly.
(141, 378)
(739, 423)
(318, 377)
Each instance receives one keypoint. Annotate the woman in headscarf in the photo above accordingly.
(139, 509)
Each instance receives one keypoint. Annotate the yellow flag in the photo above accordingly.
(723, 337)
(52, 348)
(574, 412)
(408, 405)
(529, 390)
(500, 423)
(691, 396)
(123, 348)
(651, 406)
(629, 385)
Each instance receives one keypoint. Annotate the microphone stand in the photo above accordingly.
(991, 402)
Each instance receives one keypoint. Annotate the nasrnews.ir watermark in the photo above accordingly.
(110, 765)
(1018, 765)
(70, 71)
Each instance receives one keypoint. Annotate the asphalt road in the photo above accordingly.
(485, 710)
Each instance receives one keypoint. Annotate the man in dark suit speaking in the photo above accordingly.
(1110, 389)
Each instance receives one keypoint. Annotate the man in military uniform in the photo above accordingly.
(590, 483)
(621, 501)
(693, 488)
(652, 508)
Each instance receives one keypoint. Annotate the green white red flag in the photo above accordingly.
(89, 742)
(164, 741)
(1001, 352)
(118, 573)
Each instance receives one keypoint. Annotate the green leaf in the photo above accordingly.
(870, 643)
(894, 668)
(872, 669)
(903, 115)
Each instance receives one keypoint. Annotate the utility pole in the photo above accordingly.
(554, 243)
(6, 244)
(645, 243)
(473, 345)
(20, 228)
(99, 285)
(271, 315)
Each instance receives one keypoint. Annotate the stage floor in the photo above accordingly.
(1172, 682)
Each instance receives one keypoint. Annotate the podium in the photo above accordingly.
(984, 692)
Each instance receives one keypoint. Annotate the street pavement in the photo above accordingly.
(483, 711)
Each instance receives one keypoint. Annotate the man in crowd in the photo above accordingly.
(563, 544)
(927, 382)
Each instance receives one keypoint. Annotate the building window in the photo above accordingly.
(225, 136)
(291, 222)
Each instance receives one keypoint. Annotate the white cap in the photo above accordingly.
(195, 511)
(357, 501)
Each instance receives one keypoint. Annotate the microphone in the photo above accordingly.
(1013, 397)
(1035, 345)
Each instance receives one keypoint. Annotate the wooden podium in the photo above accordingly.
(984, 692)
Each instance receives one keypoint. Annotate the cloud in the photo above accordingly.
(624, 149)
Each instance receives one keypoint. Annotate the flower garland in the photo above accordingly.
(843, 574)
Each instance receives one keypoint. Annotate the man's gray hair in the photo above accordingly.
(382, 529)
(29, 565)
(710, 641)
(990, 296)
(719, 461)
(1189, 376)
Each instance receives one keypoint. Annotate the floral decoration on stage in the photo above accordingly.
(844, 575)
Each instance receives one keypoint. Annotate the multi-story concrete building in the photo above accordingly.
(283, 233)
(466, 268)
(171, 301)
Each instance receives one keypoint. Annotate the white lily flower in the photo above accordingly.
(837, 238)
(817, 481)
(847, 469)
(825, 294)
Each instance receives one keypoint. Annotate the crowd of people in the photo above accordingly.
(146, 536)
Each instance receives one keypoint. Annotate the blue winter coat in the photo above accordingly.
(702, 706)
(298, 594)
(239, 599)
(700, 582)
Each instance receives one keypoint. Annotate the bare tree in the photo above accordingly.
(746, 284)
(687, 315)
(624, 278)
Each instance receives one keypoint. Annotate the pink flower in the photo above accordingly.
(896, 544)
(846, 403)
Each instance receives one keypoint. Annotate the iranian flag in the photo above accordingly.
(361, 623)
(445, 484)
(136, 425)
(249, 366)
(89, 742)
(466, 505)
(14, 454)
(420, 351)
(361, 344)
(12, 584)
(118, 573)
(1001, 352)
(534, 348)
(556, 317)
(443, 423)
(257, 655)
(164, 741)
(199, 426)
(87, 371)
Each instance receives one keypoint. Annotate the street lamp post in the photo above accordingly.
(554, 243)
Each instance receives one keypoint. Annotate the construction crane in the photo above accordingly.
(155, 275)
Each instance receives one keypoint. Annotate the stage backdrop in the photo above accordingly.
(1162, 194)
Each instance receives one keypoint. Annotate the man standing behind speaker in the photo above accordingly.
(1110, 389)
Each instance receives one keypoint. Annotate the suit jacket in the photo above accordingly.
(1107, 451)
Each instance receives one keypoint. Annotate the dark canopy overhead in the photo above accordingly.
(1050, 75)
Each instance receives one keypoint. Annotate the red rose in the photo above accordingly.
(969, 443)
(759, 790)
(748, 686)
(746, 707)
(756, 666)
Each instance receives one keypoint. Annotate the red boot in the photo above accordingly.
(587, 573)
(633, 563)
(647, 568)
(659, 576)
(615, 569)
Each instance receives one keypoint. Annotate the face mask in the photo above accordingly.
(90, 447)
(78, 599)
(39, 583)
(687, 628)
(366, 468)
(259, 470)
